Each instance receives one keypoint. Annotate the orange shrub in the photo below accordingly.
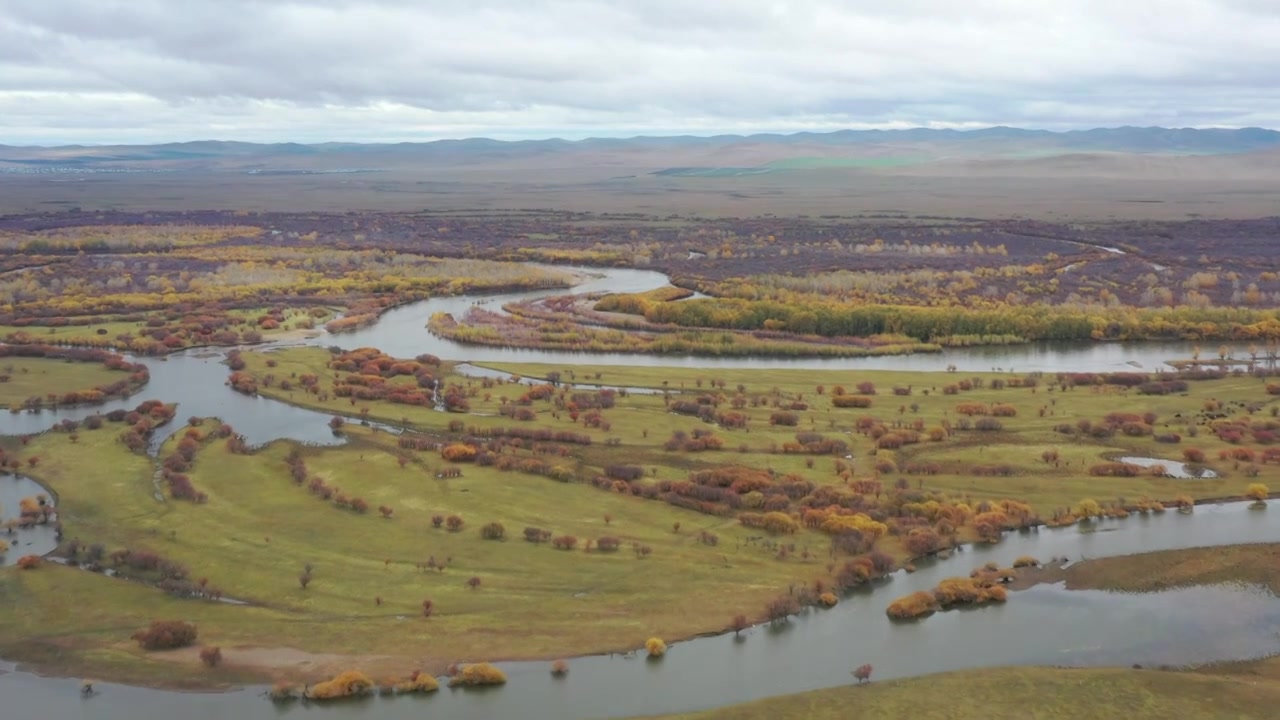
(850, 401)
(917, 604)
(478, 674)
(418, 682)
(458, 452)
(351, 683)
(166, 635)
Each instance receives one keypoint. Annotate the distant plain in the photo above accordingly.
(1124, 174)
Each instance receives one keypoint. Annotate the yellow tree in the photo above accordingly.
(1258, 492)
(1089, 508)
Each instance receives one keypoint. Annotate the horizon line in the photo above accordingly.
(642, 136)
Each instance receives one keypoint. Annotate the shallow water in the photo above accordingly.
(38, 540)
(1173, 468)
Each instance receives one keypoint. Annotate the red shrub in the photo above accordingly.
(166, 635)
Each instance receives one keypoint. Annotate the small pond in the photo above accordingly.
(37, 540)
(1172, 468)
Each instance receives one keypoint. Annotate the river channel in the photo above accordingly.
(1043, 625)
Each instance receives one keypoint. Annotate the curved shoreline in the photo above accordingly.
(1048, 573)
(1052, 575)
(709, 634)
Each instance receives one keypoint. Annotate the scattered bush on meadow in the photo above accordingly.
(29, 562)
(166, 635)
(211, 656)
(564, 542)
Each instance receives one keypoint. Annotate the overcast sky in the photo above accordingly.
(98, 71)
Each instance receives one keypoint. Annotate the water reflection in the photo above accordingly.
(37, 540)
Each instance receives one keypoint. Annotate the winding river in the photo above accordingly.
(1043, 625)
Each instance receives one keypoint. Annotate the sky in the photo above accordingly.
(143, 71)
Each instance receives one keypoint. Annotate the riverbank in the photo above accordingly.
(1017, 693)
(258, 531)
(1231, 689)
(1156, 571)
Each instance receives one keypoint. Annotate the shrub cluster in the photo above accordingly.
(166, 635)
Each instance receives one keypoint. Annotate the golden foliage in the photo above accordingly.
(418, 682)
(655, 647)
(351, 683)
(917, 604)
(478, 674)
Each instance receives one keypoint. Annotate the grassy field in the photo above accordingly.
(1020, 445)
(1151, 572)
(31, 377)
(259, 530)
(89, 334)
(1030, 693)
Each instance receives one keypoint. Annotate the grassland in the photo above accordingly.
(1030, 693)
(643, 424)
(259, 530)
(1020, 445)
(37, 377)
(109, 326)
(1151, 572)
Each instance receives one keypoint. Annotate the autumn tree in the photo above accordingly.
(655, 647)
(1257, 492)
(781, 608)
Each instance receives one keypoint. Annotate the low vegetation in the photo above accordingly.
(749, 492)
(477, 675)
(1051, 693)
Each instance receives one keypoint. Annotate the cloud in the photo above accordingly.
(153, 70)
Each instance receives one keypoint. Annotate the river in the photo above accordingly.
(1043, 625)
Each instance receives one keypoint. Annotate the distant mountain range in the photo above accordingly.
(670, 155)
